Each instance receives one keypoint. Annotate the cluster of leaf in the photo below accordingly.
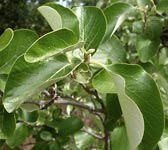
(112, 76)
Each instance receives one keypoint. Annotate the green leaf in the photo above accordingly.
(69, 126)
(69, 19)
(146, 48)
(20, 43)
(2, 135)
(82, 74)
(113, 110)
(143, 3)
(52, 43)
(119, 139)
(138, 92)
(46, 136)
(41, 146)
(116, 14)
(6, 38)
(54, 146)
(3, 79)
(162, 6)
(19, 136)
(103, 82)
(52, 17)
(8, 123)
(133, 117)
(32, 78)
(29, 116)
(163, 143)
(142, 89)
(92, 26)
(111, 50)
(83, 140)
(153, 28)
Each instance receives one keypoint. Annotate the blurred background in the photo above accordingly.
(18, 14)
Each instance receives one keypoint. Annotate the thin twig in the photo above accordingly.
(91, 92)
(92, 134)
(44, 105)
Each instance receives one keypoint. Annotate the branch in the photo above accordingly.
(44, 105)
(91, 92)
(92, 134)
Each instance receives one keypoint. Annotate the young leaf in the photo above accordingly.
(52, 17)
(52, 43)
(115, 15)
(33, 77)
(92, 25)
(20, 43)
(6, 38)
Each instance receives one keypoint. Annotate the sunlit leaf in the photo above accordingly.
(142, 89)
(111, 50)
(92, 25)
(69, 19)
(116, 14)
(20, 43)
(6, 38)
(138, 92)
(86, 142)
(52, 17)
(33, 77)
(52, 43)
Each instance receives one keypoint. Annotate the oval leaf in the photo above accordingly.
(52, 17)
(111, 50)
(133, 117)
(33, 77)
(52, 43)
(8, 123)
(20, 43)
(69, 19)
(19, 136)
(6, 38)
(142, 89)
(146, 48)
(119, 139)
(116, 14)
(69, 126)
(92, 25)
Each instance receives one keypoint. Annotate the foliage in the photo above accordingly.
(97, 81)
